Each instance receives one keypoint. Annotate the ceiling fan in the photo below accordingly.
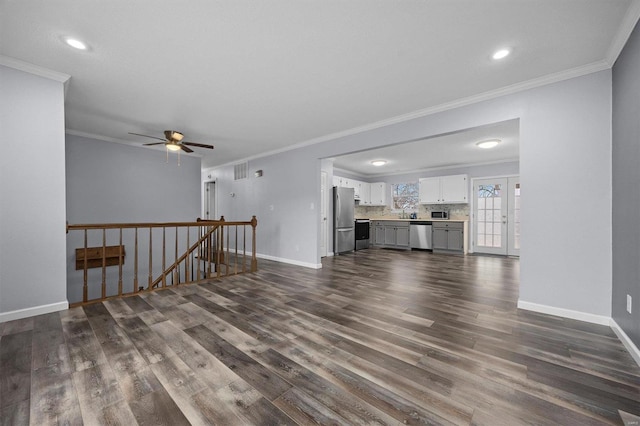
(173, 141)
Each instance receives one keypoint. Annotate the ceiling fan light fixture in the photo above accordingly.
(173, 147)
(177, 136)
(379, 163)
(488, 144)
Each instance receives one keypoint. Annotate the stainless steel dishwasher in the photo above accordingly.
(420, 235)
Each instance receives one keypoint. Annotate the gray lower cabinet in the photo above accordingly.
(402, 236)
(378, 236)
(391, 234)
(448, 236)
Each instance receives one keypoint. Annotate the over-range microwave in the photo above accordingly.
(440, 215)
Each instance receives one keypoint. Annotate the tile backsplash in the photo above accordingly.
(456, 211)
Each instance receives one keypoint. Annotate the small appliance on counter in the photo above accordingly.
(362, 233)
(443, 214)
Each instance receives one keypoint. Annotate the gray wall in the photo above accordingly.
(285, 200)
(565, 165)
(108, 182)
(626, 187)
(32, 198)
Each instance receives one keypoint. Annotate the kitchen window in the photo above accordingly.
(405, 196)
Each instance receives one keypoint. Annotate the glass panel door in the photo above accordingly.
(496, 216)
(490, 214)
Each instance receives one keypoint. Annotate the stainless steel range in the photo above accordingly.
(362, 233)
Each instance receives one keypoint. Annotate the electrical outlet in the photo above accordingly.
(629, 300)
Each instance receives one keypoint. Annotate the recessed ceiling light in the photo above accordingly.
(491, 143)
(379, 163)
(502, 53)
(75, 43)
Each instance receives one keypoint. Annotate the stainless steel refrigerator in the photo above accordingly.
(344, 233)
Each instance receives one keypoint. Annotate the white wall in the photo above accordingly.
(565, 166)
(32, 195)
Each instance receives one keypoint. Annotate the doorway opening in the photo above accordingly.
(210, 201)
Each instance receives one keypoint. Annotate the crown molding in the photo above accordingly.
(624, 32)
(485, 96)
(34, 69)
(503, 91)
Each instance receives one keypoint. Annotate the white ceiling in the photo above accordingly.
(457, 149)
(254, 76)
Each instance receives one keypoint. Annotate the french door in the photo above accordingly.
(496, 216)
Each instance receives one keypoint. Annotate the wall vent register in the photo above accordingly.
(240, 171)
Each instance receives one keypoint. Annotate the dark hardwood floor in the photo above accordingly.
(375, 337)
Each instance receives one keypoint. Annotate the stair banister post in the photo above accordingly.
(254, 260)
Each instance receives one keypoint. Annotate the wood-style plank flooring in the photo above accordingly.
(375, 337)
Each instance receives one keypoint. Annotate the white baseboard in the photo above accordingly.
(32, 312)
(289, 261)
(626, 341)
(582, 316)
(566, 313)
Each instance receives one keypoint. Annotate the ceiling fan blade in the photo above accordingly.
(155, 143)
(147, 136)
(185, 149)
(199, 145)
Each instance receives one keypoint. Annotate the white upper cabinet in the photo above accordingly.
(342, 182)
(378, 194)
(365, 193)
(361, 190)
(430, 190)
(452, 189)
(455, 189)
(356, 185)
(369, 194)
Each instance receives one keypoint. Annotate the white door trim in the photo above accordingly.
(324, 213)
(207, 200)
(472, 208)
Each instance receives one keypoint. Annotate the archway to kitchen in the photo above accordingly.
(385, 191)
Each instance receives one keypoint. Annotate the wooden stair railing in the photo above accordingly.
(214, 254)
